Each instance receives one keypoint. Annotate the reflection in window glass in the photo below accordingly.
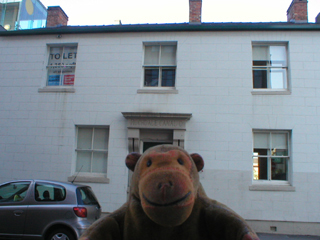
(168, 77)
(269, 66)
(151, 77)
(270, 155)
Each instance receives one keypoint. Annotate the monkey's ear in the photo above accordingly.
(132, 159)
(198, 160)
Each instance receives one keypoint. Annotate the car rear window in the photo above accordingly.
(86, 197)
(47, 192)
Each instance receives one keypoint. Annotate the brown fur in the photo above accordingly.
(167, 202)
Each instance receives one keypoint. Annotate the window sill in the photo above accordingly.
(270, 92)
(158, 90)
(57, 89)
(274, 188)
(95, 178)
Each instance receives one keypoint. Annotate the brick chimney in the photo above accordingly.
(298, 11)
(56, 17)
(318, 18)
(195, 11)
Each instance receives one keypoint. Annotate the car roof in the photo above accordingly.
(66, 184)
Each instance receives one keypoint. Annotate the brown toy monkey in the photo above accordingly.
(167, 202)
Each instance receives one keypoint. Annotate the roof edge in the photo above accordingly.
(175, 27)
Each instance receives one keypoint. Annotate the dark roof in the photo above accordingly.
(175, 27)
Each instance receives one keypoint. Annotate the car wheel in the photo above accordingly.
(61, 234)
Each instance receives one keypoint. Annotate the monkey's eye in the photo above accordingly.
(149, 163)
(180, 161)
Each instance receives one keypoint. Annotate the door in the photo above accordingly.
(147, 145)
(13, 208)
(150, 138)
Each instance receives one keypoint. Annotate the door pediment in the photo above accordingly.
(150, 120)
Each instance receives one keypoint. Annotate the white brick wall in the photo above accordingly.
(214, 80)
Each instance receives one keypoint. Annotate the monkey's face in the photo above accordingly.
(166, 186)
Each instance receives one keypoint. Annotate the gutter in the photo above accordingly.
(178, 27)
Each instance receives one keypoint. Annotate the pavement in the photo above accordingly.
(265, 236)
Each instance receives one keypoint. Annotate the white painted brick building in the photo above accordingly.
(254, 120)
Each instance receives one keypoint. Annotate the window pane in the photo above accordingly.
(278, 78)
(83, 162)
(260, 63)
(68, 79)
(100, 138)
(260, 78)
(84, 138)
(55, 56)
(69, 55)
(151, 77)
(168, 55)
(278, 55)
(261, 140)
(54, 74)
(260, 53)
(68, 75)
(151, 56)
(99, 163)
(279, 169)
(260, 168)
(279, 144)
(260, 152)
(168, 77)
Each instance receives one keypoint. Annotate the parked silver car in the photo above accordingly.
(48, 210)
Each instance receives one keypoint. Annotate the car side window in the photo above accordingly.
(14, 192)
(46, 192)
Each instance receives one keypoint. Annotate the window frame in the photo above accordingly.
(92, 150)
(61, 87)
(269, 184)
(268, 67)
(46, 186)
(160, 67)
(89, 177)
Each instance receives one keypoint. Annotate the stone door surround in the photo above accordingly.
(150, 120)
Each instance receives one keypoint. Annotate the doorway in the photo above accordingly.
(147, 145)
(150, 138)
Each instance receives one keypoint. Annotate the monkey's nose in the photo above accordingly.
(164, 185)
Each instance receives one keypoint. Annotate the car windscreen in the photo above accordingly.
(85, 196)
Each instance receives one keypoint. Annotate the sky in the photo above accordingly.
(106, 12)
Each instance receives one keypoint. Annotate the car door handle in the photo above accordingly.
(18, 213)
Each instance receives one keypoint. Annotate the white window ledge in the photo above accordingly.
(269, 187)
(102, 178)
(158, 91)
(270, 92)
(57, 89)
